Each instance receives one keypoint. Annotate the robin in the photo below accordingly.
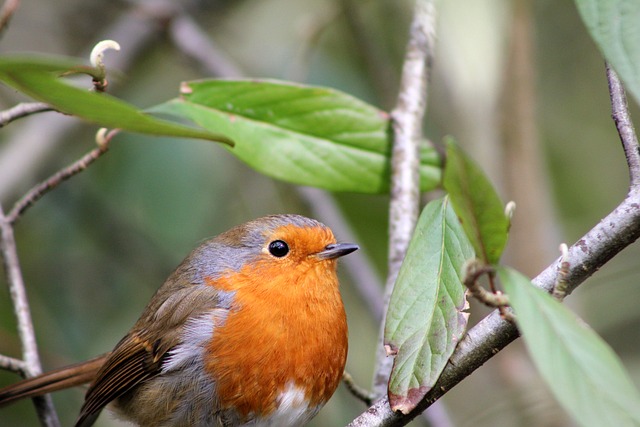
(249, 330)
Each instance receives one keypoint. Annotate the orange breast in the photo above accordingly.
(288, 329)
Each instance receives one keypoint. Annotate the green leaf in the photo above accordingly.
(580, 368)
(476, 203)
(426, 316)
(38, 77)
(613, 24)
(302, 134)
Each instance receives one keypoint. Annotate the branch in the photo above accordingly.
(21, 110)
(14, 365)
(31, 146)
(407, 119)
(54, 180)
(611, 235)
(622, 120)
(32, 366)
(356, 390)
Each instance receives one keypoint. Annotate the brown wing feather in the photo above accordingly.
(69, 376)
(132, 362)
(138, 356)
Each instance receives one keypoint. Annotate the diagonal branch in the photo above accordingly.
(54, 180)
(606, 239)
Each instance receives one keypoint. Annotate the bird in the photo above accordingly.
(249, 330)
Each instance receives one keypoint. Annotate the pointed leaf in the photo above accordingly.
(580, 368)
(38, 78)
(426, 316)
(476, 203)
(302, 134)
(613, 24)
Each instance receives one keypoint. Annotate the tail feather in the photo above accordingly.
(67, 377)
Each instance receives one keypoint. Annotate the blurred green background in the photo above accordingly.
(519, 83)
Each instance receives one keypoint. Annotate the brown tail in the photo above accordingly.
(69, 376)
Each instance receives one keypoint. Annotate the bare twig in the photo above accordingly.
(12, 364)
(21, 110)
(405, 186)
(356, 390)
(473, 271)
(32, 366)
(29, 147)
(622, 120)
(606, 239)
(54, 180)
(6, 12)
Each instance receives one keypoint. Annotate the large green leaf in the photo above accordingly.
(476, 203)
(38, 77)
(581, 370)
(302, 134)
(615, 26)
(426, 316)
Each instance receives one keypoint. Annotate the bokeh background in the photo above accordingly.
(519, 83)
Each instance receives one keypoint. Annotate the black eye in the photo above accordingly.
(278, 248)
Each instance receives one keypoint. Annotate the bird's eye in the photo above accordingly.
(278, 248)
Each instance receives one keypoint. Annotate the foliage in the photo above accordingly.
(427, 314)
(323, 137)
(613, 24)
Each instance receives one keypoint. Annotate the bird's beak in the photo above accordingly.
(336, 250)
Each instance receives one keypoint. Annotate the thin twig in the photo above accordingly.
(32, 366)
(598, 246)
(6, 12)
(12, 364)
(54, 180)
(622, 120)
(405, 186)
(472, 273)
(494, 299)
(359, 392)
(28, 148)
(21, 110)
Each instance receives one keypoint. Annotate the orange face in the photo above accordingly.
(287, 328)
